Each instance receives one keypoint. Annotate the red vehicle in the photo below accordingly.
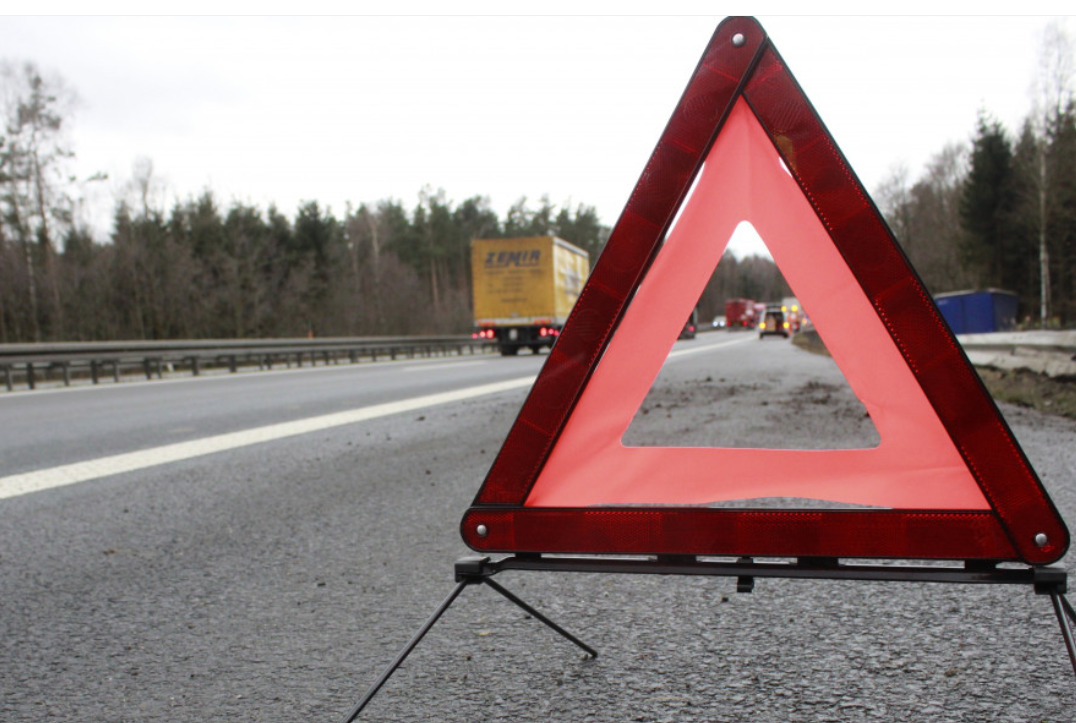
(740, 314)
(691, 327)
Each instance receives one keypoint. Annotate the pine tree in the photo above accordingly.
(1061, 215)
(986, 207)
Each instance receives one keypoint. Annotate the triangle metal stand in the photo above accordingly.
(469, 571)
(1052, 581)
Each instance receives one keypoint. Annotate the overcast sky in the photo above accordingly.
(278, 109)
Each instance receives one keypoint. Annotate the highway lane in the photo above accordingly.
(192, 590)
(273, 582)
(49, 428)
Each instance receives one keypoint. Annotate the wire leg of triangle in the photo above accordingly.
(1065, 618)
(538, 616)
(470, 571)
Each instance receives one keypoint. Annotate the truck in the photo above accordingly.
(524, 288)
(979, 311)
(740, 314)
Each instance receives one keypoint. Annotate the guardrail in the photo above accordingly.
(27, 364)
(1047, 352)
(1052, 353)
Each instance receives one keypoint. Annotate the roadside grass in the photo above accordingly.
(1053, 395)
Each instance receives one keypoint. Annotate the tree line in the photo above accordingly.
(203, 270)
(200, 270)
(999, 212)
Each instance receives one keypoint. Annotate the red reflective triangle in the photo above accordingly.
(947, 480)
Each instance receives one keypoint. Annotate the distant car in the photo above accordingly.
(774, 322)
(719, 322)
(691, 327)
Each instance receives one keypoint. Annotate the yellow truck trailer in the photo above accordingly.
(524, 289)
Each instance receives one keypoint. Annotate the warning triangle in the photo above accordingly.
(947, 480)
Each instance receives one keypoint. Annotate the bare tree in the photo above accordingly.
(925, 217)
(893, 196)
(145, 186)
(1051, 96)
(34, 185)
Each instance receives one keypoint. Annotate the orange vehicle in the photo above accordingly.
(524, 288)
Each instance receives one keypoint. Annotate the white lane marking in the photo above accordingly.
(27, 482)
(439, 367)
(709, 347)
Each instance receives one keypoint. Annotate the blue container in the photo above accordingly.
(978, 312)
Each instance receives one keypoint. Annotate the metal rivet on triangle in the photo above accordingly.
(738, 40)
(1041, 539)
(482, 530)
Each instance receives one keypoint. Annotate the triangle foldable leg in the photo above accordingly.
(469, 571)
(1066, 617)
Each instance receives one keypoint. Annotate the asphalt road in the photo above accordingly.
(71, 424)
(274, 581)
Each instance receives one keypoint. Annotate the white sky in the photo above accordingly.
(566, 103)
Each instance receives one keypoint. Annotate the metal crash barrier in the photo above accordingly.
(27, 365)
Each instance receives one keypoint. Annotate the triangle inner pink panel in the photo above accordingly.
(915, 466)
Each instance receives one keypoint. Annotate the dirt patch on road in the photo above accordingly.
(769, 414)
(1033, 390)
